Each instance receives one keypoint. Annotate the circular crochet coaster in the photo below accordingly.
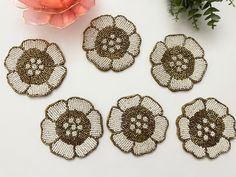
(137, 125)
(206, 128)
(35, 68)
(111, 43)
(178, 63)
(72, 128)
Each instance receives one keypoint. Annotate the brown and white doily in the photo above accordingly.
(35, 68)
(72, 128)
(137, 124)
(206, 128)
(111, 43)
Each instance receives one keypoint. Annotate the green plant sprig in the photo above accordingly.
(196, 9)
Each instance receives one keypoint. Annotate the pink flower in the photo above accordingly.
(59, 13)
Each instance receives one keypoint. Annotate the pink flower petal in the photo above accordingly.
(35, 17)
(63, 20)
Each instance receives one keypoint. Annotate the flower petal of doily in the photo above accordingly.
(124, 24)
(183, 128)
(193, 46)
(145, 147)
(151, 105)
(95, 120)
(196, 150)
(80, 105)
(221, 147)
(128, 102)
(123, 63)
(180, 85)
(161, 125)
(39, 90)
(200, 68)
(55, 110)
(158, 52)
(89, 145)
(214, 105)
(229, 124)
(57, 76)
(90, 36)
(102, 22)
(115, 120)
(48, 134)
(135, 42)
(192, 108)
(16, 83)
(175, 40)
(55, 52)
(63, 149)
(160, 75)
(34, 43)
(13, 56)
(102, 63)
(121, 141)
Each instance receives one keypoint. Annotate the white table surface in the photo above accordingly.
(22, 154)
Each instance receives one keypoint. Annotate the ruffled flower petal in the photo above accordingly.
(54, 111)
(135, 42)
(95, 120)
(197, 151)
(89, 145)
(183, 128)
(193, 46)
(57, 76)
(221, 147)
(200, 68)
(123, 63)
(34, 44)
(16, 83)
(144, 147)
(115, 120)
(129, 102)
(103, 22)
(151, 105)
(229, 125)
(183, 85)
(160, 75)
(54, 51)
(63, 149)
(13, 56)
(214, 105)
(192, 108)
(124, 24)
(122, 142)
(80, 105)
(49, 134)
(39, 90)
(161, 125)
(158, 52)
(90, 36)
(102, 63)
(175, 40)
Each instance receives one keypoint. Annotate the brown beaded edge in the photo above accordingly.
(110, 66)
(47, 117)
(115, 133)
(153, 64)
(184, 141)
(50, 87)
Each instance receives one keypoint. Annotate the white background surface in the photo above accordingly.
(22, 154)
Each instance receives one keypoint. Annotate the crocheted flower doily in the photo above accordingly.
(178, 63)
(71, 128)
(137, 124)
(111, 43)
(35, 68)
(206, 128)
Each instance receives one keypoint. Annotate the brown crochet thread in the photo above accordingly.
(206, 128)
(35, 68)
(111, 43)
(178, 63)
(137, 124)
(72, 128)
